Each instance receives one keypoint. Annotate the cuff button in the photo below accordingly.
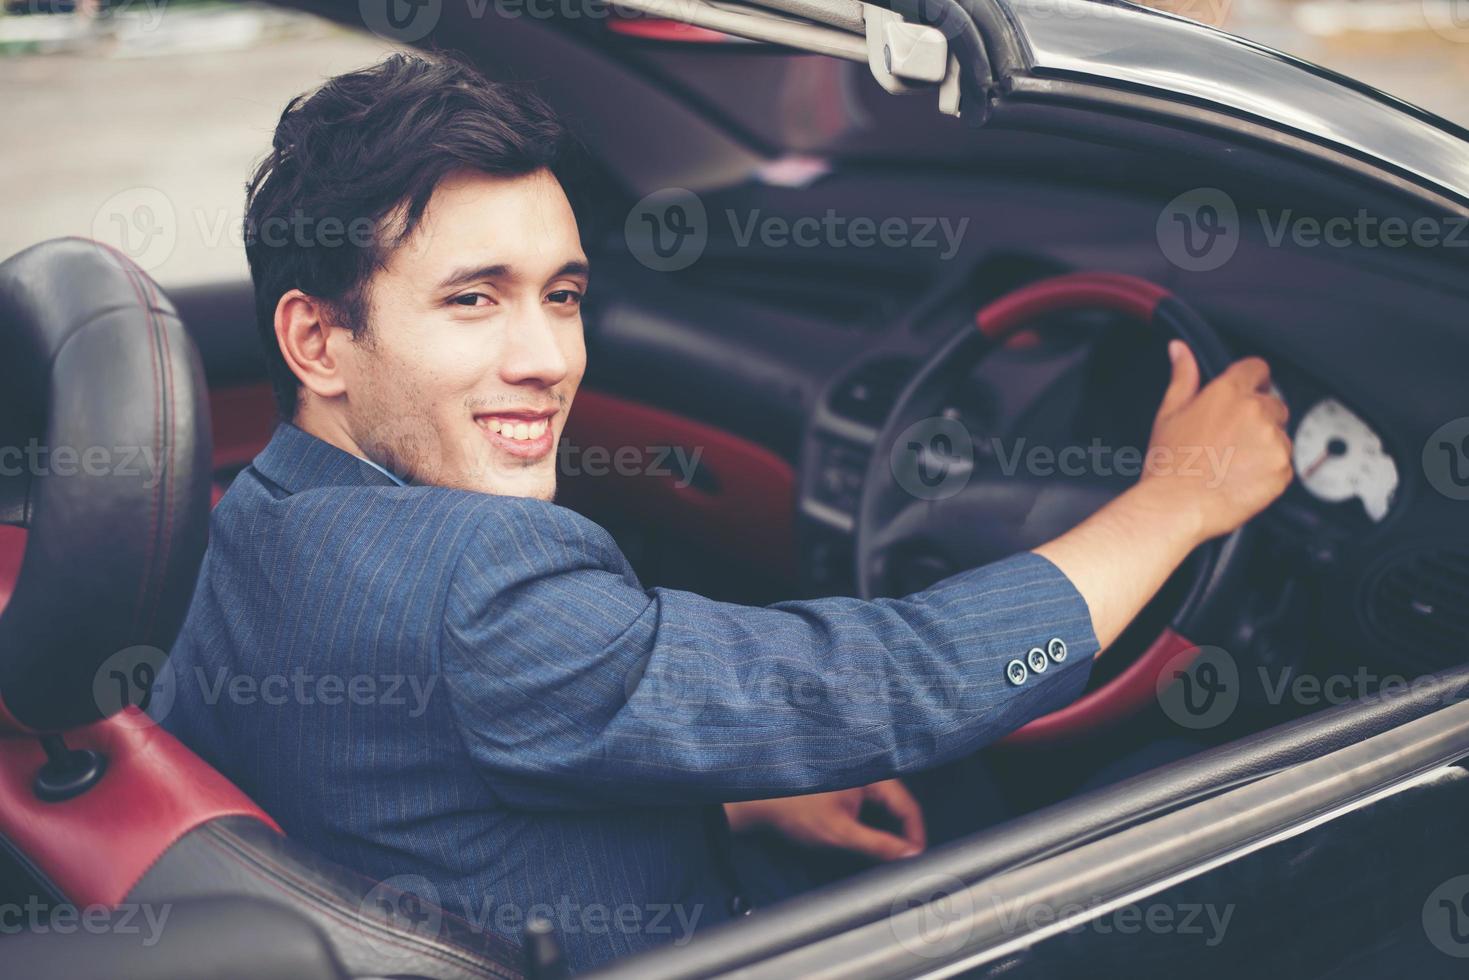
(1056, 650)
(1036, 660)
(1016, 672)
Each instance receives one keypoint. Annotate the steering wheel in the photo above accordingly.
(926, 485)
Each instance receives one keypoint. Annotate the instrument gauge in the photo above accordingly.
(1338, 457)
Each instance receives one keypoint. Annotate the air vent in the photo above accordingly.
(1419, 604)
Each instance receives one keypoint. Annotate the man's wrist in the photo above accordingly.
(1165, 511)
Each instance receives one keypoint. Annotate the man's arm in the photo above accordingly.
(1118, 559)
(1217, 457)
(574, 687)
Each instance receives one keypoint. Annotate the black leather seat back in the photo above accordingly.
(105, 459)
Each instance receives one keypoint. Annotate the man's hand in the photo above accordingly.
(1233, 430)
(831, 820)
(1218, 457)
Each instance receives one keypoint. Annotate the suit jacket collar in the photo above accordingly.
(295, 460)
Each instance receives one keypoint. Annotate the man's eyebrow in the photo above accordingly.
(503, 270)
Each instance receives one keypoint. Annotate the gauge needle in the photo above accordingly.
(1335, 447)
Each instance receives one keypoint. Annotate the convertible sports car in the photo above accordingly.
(881, 292)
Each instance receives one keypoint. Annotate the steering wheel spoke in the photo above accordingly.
(930, 505)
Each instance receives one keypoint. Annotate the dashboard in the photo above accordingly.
(1364, 560)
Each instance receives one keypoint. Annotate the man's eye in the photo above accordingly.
(471, 299)
(565, 297)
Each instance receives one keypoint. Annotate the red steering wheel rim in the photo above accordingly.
(1137, 685)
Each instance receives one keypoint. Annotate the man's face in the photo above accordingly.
(474, 349)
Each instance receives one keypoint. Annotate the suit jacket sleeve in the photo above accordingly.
(575, 687)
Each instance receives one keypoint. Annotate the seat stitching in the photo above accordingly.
(446, 952)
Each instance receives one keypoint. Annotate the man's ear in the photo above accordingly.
(303, 330)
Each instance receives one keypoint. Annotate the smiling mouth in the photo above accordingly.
(527, 434)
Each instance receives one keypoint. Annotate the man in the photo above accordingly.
(421, 666)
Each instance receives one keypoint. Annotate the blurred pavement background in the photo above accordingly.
(99, 111)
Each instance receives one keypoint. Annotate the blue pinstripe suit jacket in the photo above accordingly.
(474, 695)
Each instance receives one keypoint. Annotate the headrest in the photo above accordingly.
(105, 459)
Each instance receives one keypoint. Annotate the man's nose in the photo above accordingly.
(533, 353)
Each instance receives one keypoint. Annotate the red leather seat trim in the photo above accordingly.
(243, 418)
(1121, 697)
(97, 846)
(749, 517)
(12, 551)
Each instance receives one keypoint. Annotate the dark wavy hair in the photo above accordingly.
(352, 168)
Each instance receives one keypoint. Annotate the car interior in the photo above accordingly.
(796, 371)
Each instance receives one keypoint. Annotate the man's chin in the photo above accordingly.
(537, 482)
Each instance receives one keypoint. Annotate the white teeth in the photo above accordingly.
(517, 430)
